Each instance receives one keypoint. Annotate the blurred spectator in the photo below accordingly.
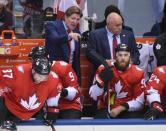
(159, 27)
(9, 6)
(48, 14)
(118, 95)
(6, 17)
(159, 48)
(155, 94)
(60, 6)
(109, 9)
(62, 39)
(33, 17)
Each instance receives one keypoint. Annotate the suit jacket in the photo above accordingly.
(57, 47)
(99, 44)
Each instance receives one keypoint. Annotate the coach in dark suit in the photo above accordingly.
(62, 39)
(100, 45)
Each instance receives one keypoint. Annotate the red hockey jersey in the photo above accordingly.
(156, 87)
(23, 97)
(125, 87)
(69, 81)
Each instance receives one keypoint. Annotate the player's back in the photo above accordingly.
(65, 73)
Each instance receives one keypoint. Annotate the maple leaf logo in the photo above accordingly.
(31, 104)
(118, 89)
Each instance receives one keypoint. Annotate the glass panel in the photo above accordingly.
(29, 17)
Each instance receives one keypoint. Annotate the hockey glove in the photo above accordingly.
(64, 92)
(154, 112)
(106, 74)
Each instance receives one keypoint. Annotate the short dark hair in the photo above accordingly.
(73, 10)
(111, 8)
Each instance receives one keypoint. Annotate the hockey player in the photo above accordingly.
(24, 91)
(156, 94)
(124, 96)
(70, 101)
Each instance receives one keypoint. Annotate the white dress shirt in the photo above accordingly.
(110, 40)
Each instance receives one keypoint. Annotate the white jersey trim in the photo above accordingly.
(136, 104)
(95, 91)
(53, 101)
(71, 93)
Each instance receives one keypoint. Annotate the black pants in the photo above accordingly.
(70, 114)
(103, 114)
(5, 114)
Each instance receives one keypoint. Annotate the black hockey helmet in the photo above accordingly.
(41, 66)
(122, 47)
(38, 51)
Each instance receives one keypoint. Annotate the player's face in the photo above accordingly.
(38, 78)
(122, 59)
(72, 21)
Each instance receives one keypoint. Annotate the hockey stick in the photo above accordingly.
(110, 100)
(47, 122)
(52, 127)
(106, 89)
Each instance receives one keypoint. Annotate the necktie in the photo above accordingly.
(69, 45)
(115, 43)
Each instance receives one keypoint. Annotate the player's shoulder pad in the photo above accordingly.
(161, 69)
(139, 73)
(62, 63)
(53, 74)
(138, 69)
(20, 68)
(160, 72)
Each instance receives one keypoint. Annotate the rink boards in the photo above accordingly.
(97, 125)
